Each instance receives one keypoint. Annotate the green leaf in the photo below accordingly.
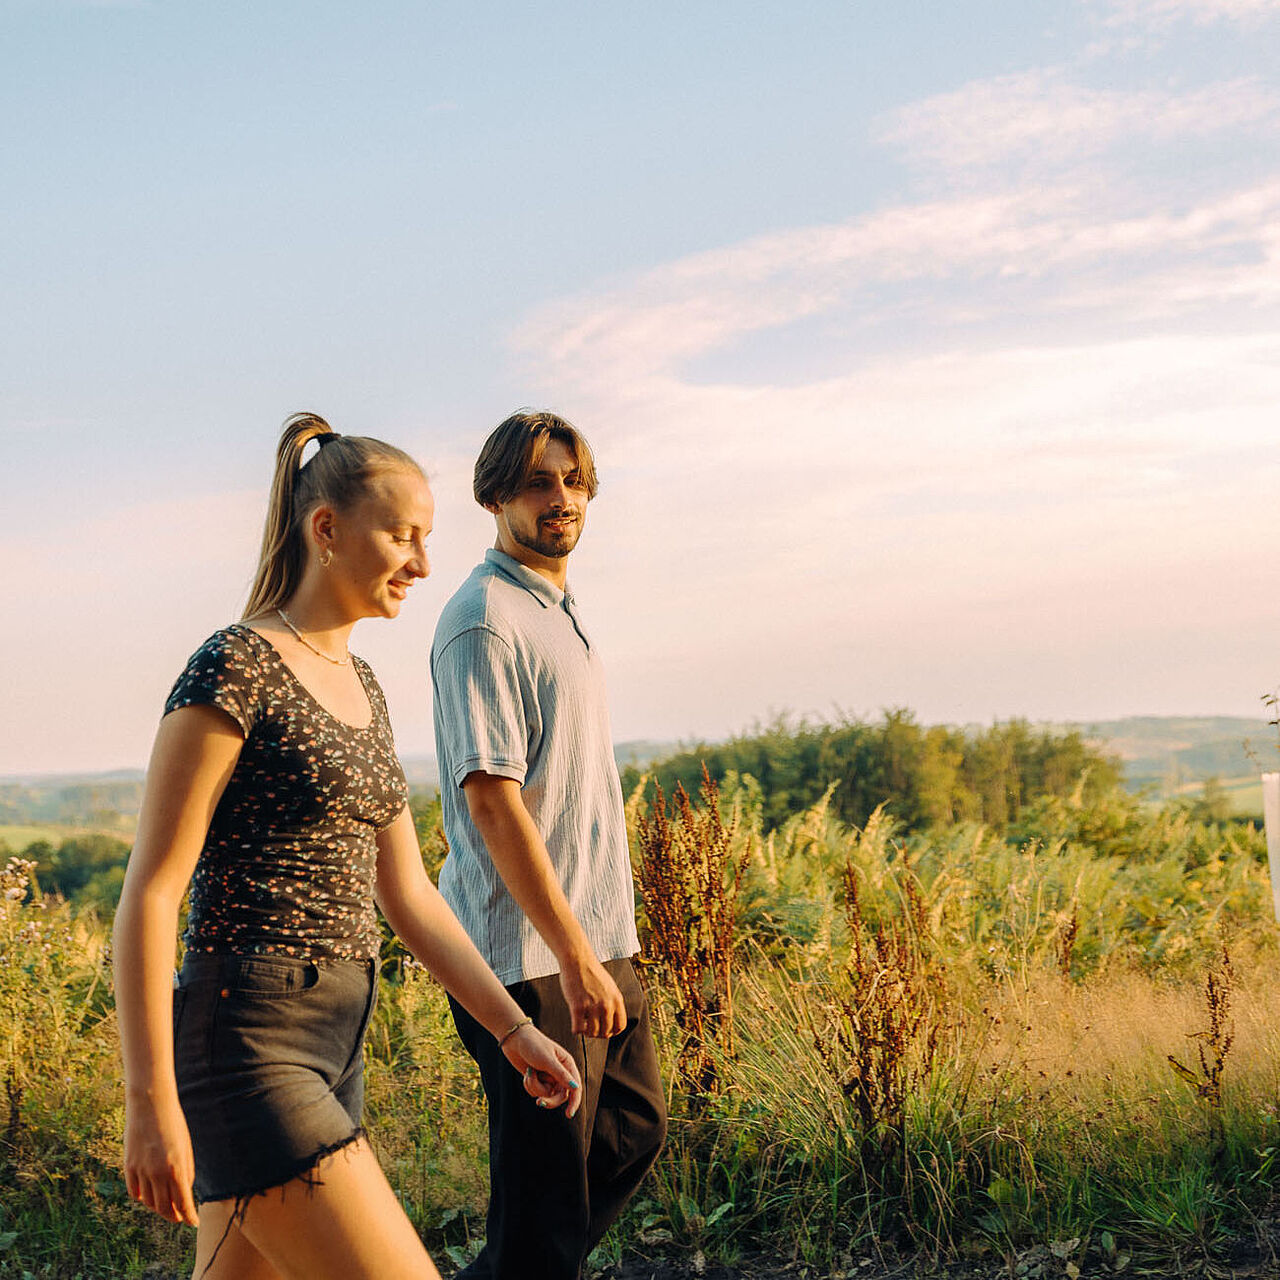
(1000, 1190)
(718, 1212)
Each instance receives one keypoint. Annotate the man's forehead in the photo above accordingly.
(555, 458)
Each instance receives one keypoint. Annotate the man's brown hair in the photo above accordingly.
(513, 451)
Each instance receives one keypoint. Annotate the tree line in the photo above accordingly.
(928, 776)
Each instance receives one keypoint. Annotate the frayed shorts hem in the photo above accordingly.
(304, 1170)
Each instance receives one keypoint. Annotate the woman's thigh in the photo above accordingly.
(341, 1221)
(222, 1252)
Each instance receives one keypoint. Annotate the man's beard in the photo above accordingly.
(554, 546)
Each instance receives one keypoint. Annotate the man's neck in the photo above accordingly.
(556, 571)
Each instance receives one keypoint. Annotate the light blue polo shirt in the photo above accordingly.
(520, 693)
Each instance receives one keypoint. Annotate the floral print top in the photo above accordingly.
(289, 862)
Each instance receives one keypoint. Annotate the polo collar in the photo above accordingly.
(545, 593)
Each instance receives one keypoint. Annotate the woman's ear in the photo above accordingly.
(322, 525)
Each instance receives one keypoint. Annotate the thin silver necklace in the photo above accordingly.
(288, 622)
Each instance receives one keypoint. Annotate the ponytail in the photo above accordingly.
(338, 474)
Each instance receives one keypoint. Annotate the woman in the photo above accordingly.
(274, 790)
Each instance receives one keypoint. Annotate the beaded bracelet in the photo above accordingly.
(524, 1022)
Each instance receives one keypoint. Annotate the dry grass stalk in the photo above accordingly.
(1214, 1043)
(887, 1026)
(690, 879)
(1066, 942)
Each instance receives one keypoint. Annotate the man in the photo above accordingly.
(538, 869)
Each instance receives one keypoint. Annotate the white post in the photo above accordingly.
(1271, 815)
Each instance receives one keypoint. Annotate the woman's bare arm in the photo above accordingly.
(426, 925)
(195, 752)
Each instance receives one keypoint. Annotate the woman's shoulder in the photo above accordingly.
(229, 670)
(232, 647)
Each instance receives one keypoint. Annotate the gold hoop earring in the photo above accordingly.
(326, 557)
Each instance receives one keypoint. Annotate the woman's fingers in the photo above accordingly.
(550, 1092)
(549, 1072)
(167, 1194)
(187, 1211)
(574, 1101)
(573, 1092)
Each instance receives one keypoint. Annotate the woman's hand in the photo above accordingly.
(550, 1074)
(159, 1168)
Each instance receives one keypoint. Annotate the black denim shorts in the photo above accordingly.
(268, 1052)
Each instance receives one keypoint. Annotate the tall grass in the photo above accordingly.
(63, 1210)
(987, 1049)
(953, 1042)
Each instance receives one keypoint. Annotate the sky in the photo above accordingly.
(930, 352)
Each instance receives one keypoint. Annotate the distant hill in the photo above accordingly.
(1169, 753)
(643, 751)
(422, 772)
(109, 802)
(97, 801)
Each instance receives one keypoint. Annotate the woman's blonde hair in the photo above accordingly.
(338, 475)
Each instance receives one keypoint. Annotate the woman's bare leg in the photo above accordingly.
(341, 1221)
(220, 1241)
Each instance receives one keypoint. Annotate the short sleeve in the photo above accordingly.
(224, 673)
(479, 707)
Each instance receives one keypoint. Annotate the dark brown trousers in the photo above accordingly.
(555, 1185)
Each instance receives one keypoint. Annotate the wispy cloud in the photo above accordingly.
(1043, 119)
(1076, 255)
(1160, 13)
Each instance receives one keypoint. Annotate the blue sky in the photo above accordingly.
(931, 352)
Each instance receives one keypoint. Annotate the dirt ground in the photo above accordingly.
(1255, 1257)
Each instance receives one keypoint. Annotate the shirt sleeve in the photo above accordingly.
(481, 716)
(222, 673)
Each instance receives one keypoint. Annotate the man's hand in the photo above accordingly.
(594, 1001)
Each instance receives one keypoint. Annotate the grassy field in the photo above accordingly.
(964, 1044)
(18, 836)
(1244, 795)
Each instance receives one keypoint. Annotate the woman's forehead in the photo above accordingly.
(404, 491)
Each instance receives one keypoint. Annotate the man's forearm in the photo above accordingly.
(520, 856)
(497, 808)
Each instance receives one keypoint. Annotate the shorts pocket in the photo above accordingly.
(267, 977)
